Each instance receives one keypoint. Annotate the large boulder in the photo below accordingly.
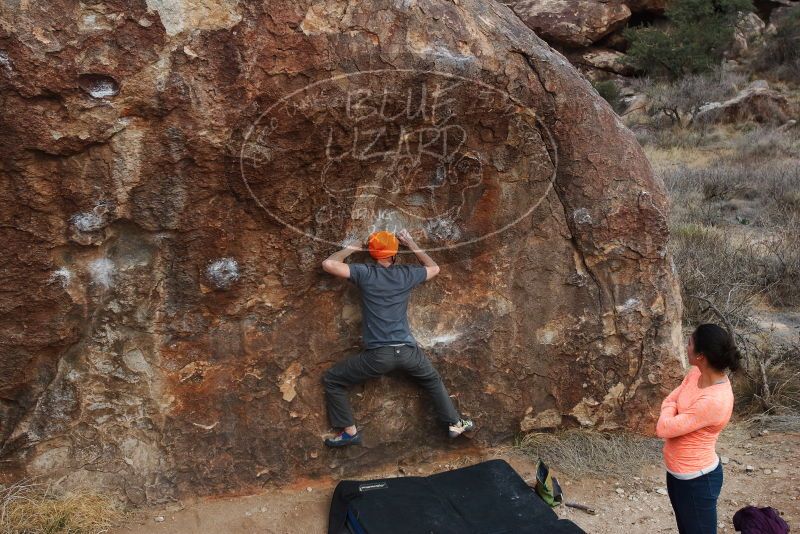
(748, 34)
(755, 103)
(572, 23)
(172, 178)
(615, 41)
(600, 60)
(781, 16)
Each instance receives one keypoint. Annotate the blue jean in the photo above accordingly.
(695, 501)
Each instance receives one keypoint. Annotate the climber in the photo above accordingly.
(387, 341)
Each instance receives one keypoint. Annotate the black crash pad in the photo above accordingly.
(487, 498)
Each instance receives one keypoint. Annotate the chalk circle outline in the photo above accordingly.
(538, 121)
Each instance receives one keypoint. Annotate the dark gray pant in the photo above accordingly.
(372, 363)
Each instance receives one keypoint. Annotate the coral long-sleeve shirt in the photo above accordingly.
(690, 422)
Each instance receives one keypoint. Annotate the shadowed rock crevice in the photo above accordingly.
(98, 85)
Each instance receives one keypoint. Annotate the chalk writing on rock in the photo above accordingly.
(452, 159)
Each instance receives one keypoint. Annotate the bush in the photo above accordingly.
(720, 184)
(676, 137)
(691, 212)
(610, 93)
(783, 271)
(716, 256)
(730, 275)
(766, 144)
(698, 34)
(771, 381)
(771, 187)
(678, 100)
(781, 51)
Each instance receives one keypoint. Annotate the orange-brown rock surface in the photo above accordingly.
(173, 173)
(572, 23)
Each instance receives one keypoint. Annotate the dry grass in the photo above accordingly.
(773, 181)
(27, 507)
(736, 233)
(667, 137)
(665, 158)
(770, 385)
(762, 143)
(774, 423)
(580, 452)
(673, 103)
(729, 274)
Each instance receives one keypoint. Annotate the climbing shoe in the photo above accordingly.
(343, 439)
(463, 425)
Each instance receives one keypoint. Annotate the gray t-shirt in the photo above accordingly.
(384, 301)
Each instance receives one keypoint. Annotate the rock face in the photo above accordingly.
(173, 173)
(780, 16)
(749, 31)
(572, 23)
(546, 420)
(601, 59)
(756, 102)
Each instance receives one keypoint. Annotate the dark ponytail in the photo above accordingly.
(718, 346)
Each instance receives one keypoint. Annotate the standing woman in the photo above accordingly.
(692, 416)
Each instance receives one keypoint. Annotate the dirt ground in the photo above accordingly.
(623, 505)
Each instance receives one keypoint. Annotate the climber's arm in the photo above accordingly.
(405, 238)
(335, 264)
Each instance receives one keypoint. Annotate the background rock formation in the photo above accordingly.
(572, 23)
(589, 31)
(756, 102)
(163, 333)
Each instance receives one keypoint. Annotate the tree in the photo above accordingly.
(697, 35)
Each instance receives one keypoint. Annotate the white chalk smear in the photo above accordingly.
(388, 220)
(102, 89)
(351, 237)
(62, 276)
(92, 220)
(4, 61)
(102, 272)
(206, 427)
(546, 337)
(582, 216)
(444, 339)
(442, 228)
(448, 55)
(223, 272)
(87, 221)
(629, 305)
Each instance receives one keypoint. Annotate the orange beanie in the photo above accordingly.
(383, 245)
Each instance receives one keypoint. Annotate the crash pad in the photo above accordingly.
(486, 498)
